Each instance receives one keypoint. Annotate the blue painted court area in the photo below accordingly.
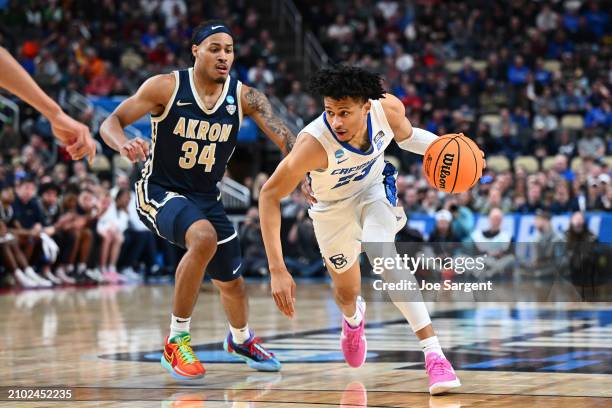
(483, 339)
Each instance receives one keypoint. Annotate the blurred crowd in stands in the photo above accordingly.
(529, 81)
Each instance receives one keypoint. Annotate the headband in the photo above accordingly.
(209, 30)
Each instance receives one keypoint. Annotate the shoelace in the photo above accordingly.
(354, 341)
(437, 366)
(185, 351)
(261, 352)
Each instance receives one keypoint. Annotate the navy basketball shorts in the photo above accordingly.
(170, 214)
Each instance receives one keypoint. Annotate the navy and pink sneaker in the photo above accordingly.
(253, 353)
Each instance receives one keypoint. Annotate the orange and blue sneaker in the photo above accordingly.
(179, 360)
(253, 353)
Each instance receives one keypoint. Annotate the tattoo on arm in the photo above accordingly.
(258, 102)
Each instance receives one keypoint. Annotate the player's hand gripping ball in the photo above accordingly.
(453, 163)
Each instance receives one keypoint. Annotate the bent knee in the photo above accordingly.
(201, 237)
(234, 287)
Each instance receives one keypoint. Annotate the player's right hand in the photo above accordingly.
(283, 291)
(135, 149)
(75, 135)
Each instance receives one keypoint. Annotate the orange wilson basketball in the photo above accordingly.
(453, 163)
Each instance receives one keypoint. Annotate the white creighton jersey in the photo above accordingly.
(349, 170)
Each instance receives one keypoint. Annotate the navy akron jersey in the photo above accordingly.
(191, 145)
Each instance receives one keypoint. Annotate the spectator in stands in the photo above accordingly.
(88, 210)
(12, 257)
(259, 76)
(518, 72)
(340, 31)
(545, 120)
(36, 244)
(606, 199)
(534, 199)
(591, 145)
(298, 98)
(566, 145)
(443, 231)
(494, 242)
(411, 201)
(548, 248)
(111, 226)
(547, 19)
(563, 203)
(560, 168)
(495, 199)
(66, 235)
(598, 115)
(139, 245)
(463, 216)
(431, 203)
(307, 262)
(254, 259)
(580, 250)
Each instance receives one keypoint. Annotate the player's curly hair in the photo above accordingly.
(341, 81)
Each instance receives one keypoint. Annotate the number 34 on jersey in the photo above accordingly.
(200, 130)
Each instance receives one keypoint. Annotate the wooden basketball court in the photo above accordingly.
(104, 344)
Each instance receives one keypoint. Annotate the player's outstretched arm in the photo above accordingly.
(256, 105)
(67, 130)
(151, 97)
(407, 137)
(307, 155)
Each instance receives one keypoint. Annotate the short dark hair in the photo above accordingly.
(50, 186)
(341, 81)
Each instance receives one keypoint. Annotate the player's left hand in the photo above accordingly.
(74, 135)
(307, 191)
(135, 149)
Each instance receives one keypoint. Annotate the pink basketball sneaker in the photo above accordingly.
(353, 341)
(442, 377)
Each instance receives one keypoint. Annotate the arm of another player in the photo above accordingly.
(67, 130)
(151, 97)
(407, 137)
(257, 106)
(307, 155)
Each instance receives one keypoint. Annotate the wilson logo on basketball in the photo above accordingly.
(447, 162)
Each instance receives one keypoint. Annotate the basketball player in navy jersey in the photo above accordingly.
(195, 118)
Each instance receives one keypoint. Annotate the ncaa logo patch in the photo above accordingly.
(339, 153)
(339, 260)
(378, 139)
(230, 99)
(231, 109)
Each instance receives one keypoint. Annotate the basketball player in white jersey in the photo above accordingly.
(343, 153)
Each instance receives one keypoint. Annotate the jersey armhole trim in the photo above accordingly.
(170, 102)
(239, 102)
(380, 109)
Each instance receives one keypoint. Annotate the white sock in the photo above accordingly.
(431, 345)
(81, 268)
(355, 320)
(179, 325)
(240, 335)
(70, 268)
